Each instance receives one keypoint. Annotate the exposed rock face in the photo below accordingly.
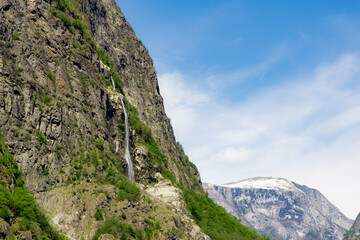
(281, 209)
(40, 57)
(354, 232)
(131, 59)
(64, 123)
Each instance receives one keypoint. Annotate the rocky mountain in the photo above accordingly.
(72, 75)
(354, 232)
(281, 209)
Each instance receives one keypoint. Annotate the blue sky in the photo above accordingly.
(261, 88)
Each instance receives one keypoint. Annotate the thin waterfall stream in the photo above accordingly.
(131, 174)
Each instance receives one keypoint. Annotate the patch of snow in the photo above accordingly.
(301, 234)
(268, 183)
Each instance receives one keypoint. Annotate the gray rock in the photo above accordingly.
(5, 229)
(281, 209)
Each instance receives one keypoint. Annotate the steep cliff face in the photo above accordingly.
(281, 209)
(49, 61)
(354, 232)
(63, 122)
(131, 60)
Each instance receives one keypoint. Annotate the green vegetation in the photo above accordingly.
(100, 144)
(119, 228)
(350, 234)
(10, 45)
(189, 167)
(15, 37)
(116, 227)
(74, 20)
(27, 137)
(52, 77)
(98, 214)
(69, 80)
(108, 170)
(41, 138)
(18, 206)
(214, 220)
(148, 141)
(20, 69)
(105, 59)
(211, 218)
(313, 235)
(84, 89)
(127, 189)
(58, 151)
(46, 99)
(68, 11)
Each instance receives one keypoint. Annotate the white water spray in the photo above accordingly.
(113, 84)
(131, 174)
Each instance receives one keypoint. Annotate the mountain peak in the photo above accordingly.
(281, 209)
(269, 183)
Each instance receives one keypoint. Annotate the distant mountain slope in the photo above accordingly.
(281, 209)
(354, 232)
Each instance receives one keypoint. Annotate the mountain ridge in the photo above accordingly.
(263, 183)
(279, 211)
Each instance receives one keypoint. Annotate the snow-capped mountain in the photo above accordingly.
(281, 209)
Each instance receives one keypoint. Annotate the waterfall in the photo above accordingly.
(131, 175)
(113, 84)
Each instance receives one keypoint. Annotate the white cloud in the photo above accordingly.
(233, 154)
(307, 130)
(181, 102)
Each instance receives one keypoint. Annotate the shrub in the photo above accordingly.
(27, 137)
(58, 151)
(100, 144)
(5, 213)
(115, 227)
(128, 190)
(15, 37)
(84, 89)
(98, 214)
(41, 138)
(47, 99)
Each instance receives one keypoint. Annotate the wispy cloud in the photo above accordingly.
(247, 73)
(306, 130)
